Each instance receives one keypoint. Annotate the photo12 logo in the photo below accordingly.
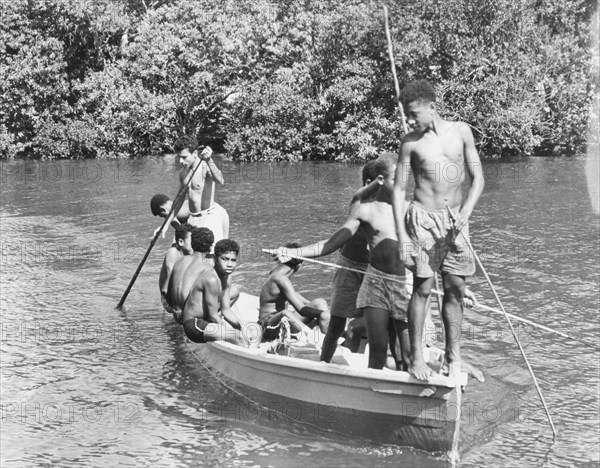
(35, 412)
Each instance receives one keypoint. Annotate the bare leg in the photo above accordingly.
(417, 312)
(401, 328)
(334, 331)
(317, 309)
(394, 342)
(356, 331)
(234, 294)
(377, 333)
(452, 315)
(224, 332)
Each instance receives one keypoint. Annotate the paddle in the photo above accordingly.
(393, 66)
(537, 387)
(180, 194)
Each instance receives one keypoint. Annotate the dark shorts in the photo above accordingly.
(270, 325)
(346, 284)
(194, 329)
(439, 246)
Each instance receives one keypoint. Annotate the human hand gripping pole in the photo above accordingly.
(537, 387)
(180, 194)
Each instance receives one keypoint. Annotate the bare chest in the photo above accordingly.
(435, 155)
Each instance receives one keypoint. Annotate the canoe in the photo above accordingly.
(344, 396)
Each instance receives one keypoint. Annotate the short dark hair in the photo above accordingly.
(419, 90)
(181, 230)
(368, 171)
(392, 158)
(202, 239)
(226, 245)
(186, 141)
(157, 201)
(384, 167)
(294, 262)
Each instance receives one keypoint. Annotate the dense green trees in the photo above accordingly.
(291, 80)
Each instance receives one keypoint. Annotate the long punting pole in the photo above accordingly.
(537, 387)
(441, 293)
(181, 194)
(393, 67)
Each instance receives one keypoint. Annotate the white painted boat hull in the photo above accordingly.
(381, 405)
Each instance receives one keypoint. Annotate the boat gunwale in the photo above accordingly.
(335, 369)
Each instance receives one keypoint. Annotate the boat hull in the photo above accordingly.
(380, 405)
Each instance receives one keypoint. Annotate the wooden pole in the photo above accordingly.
(393, 66)
(441, 293)
(180, 194)
(535, 382)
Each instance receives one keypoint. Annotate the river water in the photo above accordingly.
(85, 384)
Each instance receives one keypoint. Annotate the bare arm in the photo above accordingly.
(165, 274)
(226, 310)
(211, 299)
(328, 246)
(290, 294)
(366, 192)
(213, 169)
(475, 171)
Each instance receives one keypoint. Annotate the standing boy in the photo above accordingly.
(383, 294)
(354, 259)
(433, 230)
(203, 210)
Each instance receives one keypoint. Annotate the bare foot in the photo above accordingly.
(468, 368)
(473, 371)
(419, 370)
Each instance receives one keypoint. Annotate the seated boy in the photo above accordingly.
(277, 291)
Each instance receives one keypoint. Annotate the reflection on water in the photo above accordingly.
(85, 384)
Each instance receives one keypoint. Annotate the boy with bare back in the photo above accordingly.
(354, 260)
(207, 313)
(187, 269)
(433, 229)
(382, 295)
(182, 246)
(203, 210)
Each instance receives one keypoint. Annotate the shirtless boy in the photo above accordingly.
(354, 254)
(187, 269)
(182, 246)
(277, 291)
(161, 204)
(207, 313)
(382, 294)
(433, 229)
(203, 211)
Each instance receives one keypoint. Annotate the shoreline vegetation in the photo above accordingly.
(290, 80)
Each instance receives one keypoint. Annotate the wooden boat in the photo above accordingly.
(344, 396)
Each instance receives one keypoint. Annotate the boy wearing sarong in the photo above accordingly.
(433, 230)
(383, 294)
(354, 255)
